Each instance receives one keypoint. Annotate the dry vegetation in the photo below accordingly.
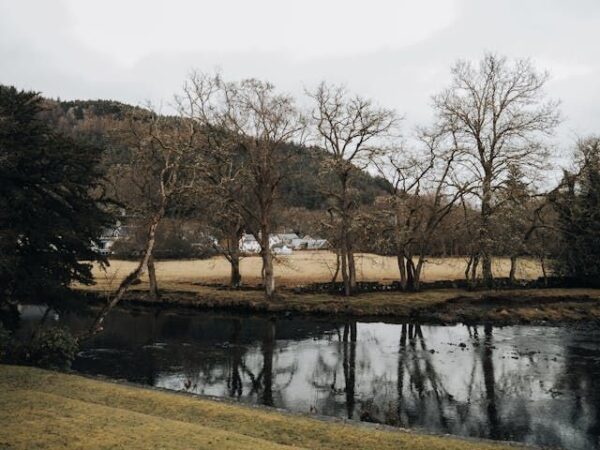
(302, 268)
(41, 409)
(184, 284)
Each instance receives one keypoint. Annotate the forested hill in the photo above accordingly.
(89, 120)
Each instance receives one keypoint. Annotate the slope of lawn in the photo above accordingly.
(43, 409)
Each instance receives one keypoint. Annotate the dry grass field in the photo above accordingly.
(302, 268)
(185, 284)
(48, 410)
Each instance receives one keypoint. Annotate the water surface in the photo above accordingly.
(539, 385)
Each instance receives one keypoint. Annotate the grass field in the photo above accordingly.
(302, 268)
(48, 410)
(183, 284)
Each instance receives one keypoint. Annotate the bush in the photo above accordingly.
(4, 341)
(51, 348)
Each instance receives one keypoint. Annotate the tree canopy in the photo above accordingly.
(578, 205)
(51, 208)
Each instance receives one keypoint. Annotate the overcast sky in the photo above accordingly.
(398, 52)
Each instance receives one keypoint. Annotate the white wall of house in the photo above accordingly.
(282, 243)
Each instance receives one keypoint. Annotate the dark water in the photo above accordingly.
(539, 385)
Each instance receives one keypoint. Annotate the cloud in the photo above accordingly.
(398, 52)
(134, 29)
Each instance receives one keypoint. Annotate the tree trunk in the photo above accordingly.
(513, 269)
(468, 269)
(236, 277)
(348, 269)
(337, 267)
(345, 277)
(402, 270)
(235, 280)
(352, 271)
(545, 275)
(474, 265)
(485, 230)
(153, 289)
(269, 278)
(410, 273)
(267, 263)
(132, 277)
(486, 270)
(417, 273)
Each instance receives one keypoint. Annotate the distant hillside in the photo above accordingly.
(88, 120)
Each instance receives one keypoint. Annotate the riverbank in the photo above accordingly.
(198, 284)
(445, 306)
(43, 409)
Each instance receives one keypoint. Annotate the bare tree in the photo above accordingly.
(224, 189)
(354, 131)
(424, 189)
(498, 115)
(256, 121)
(162, 160)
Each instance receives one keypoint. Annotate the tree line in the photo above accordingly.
(472, 182)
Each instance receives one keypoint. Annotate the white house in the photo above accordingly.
(309, 243)
(286, 238)
(282, 243)
(297, 244)
(282, 249)
(108, 238)
(249, 244)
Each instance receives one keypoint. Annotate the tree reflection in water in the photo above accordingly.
(487, 365)
(531, 384)
(262, 381)
(234, 381)
(422, 385)
(349, 349)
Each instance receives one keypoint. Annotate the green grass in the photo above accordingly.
(42, 409)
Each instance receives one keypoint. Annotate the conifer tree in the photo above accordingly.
(51, 211)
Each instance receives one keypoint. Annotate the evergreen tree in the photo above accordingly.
(578, 206)
(50, 211)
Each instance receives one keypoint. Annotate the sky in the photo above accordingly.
(396, 52)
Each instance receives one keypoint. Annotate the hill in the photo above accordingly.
(90, 120)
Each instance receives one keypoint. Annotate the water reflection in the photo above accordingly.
(538, 385)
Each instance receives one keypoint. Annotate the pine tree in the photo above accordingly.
(578, 208)
(50, 211)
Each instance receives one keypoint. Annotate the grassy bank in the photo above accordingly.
(184, 283)
(519, 306)
(42, 409)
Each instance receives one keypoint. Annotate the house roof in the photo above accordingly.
(289, 236)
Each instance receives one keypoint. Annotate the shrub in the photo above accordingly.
(4, 341)
(52, 348)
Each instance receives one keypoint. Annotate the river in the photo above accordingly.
(537, 385)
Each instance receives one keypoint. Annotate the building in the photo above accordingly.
(249, 244)
(309, 243)
(286, 238)
(108, 238)
(282, 249)
(283, 243)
